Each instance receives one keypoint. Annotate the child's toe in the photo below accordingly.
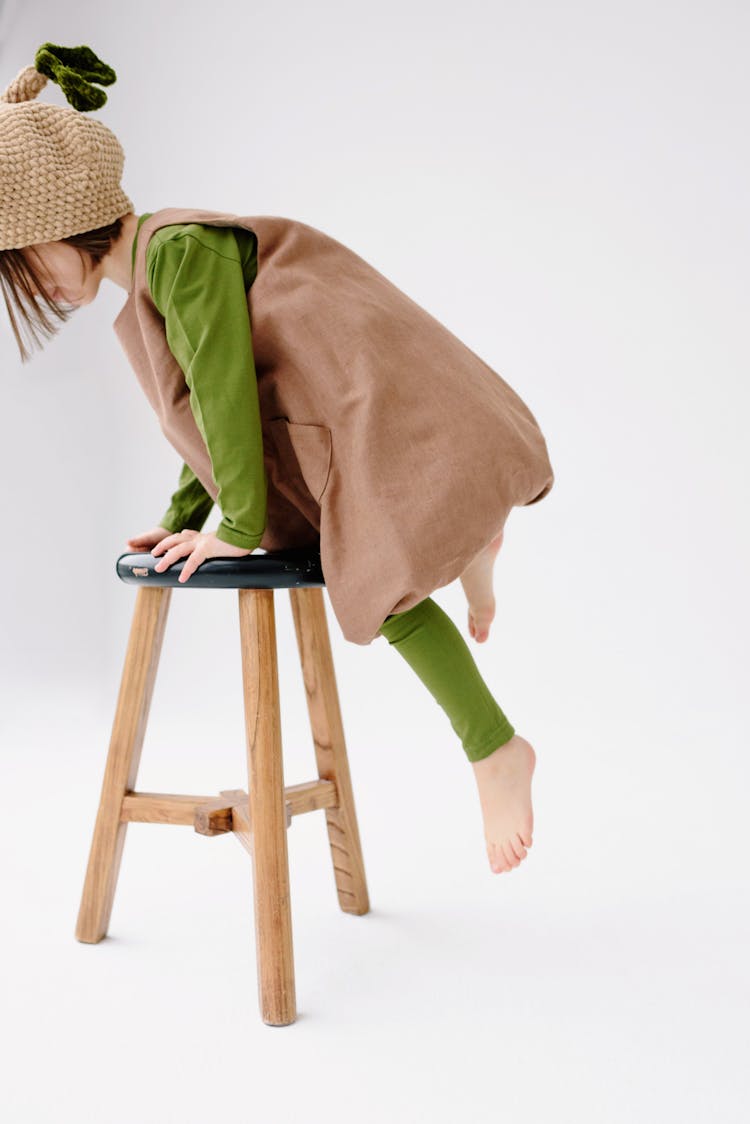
(498, 861)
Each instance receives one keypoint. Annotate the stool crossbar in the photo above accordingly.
(259, 816)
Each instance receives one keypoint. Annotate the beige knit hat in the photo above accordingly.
(59, 171)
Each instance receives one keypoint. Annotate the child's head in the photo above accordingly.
(62, 205)
(56, 276)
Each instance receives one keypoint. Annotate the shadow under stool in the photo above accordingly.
(259, 818)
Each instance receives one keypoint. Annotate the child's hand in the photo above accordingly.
(196, 547)
(147, 539)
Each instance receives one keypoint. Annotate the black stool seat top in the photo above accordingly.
(274, 569)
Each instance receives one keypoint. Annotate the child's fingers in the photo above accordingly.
(147, 539)
(164, 542)
(177, 550)
(158, 535)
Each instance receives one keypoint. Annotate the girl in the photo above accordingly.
(307, 395)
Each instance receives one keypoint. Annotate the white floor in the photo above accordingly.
(604, 980)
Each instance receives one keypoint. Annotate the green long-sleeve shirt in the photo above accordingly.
(198, 277)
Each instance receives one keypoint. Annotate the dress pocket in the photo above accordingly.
(312, 446)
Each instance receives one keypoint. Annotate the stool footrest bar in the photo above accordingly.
(213, 815)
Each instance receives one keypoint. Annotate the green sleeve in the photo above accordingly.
(190, 505)
(195, 276)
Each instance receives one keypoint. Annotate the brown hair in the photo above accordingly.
(19, 277)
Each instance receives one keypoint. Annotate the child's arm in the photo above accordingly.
(190, 505)
(196, 280)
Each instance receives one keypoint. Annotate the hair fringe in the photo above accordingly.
(20, 279)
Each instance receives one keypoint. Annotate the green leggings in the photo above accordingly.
(429, 641)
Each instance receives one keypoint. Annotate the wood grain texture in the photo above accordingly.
(123, 759)
(313, 641)
(258, 817)
(267, 807)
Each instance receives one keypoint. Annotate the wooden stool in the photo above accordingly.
(259, 817)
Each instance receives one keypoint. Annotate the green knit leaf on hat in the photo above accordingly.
(74, 69)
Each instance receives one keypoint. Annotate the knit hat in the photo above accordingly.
(59, 171)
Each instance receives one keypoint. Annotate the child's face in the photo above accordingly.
(67, 274)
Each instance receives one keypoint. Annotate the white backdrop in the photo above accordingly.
(565, 187)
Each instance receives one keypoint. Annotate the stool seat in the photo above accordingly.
(260, 815)
(277, 569)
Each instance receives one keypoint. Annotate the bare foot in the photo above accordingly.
(477, 582)
(504, 783)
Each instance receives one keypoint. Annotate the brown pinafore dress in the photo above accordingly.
(387, 441)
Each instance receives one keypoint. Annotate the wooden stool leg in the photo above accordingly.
(123, 758)
(313, 641)
(267, 808)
